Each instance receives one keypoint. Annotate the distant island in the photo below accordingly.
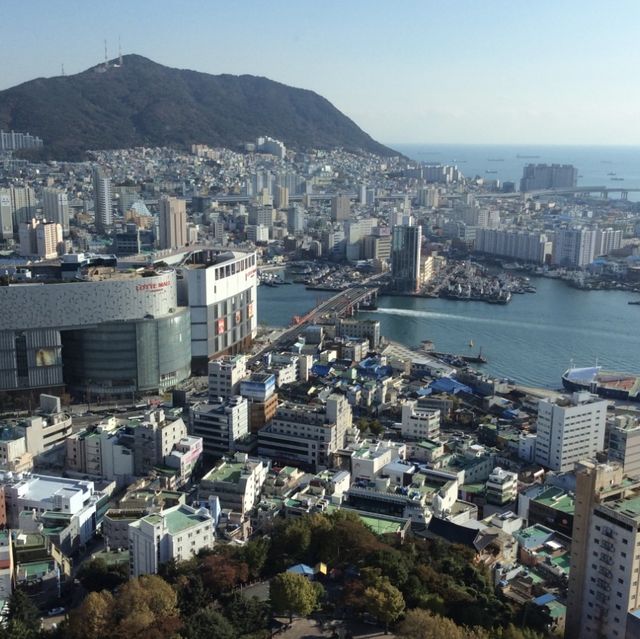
(134, 101)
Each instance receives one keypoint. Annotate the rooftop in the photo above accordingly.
(558, 499)
(176, 519)
(229, 472)
(629, 507)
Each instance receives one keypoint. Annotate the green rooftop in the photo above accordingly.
(557, 499)
(178, 520)
(228, 472)
(629, 507)
(37, 568)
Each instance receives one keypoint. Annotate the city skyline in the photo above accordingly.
(425, 73)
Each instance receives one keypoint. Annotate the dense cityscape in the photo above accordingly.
(173, 464)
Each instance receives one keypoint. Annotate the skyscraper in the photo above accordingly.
(406, 244)
(173, 223)
(102, 199)
(55, 205)
(548, 176)
(23, 205)
(6, 217)
(340, 207)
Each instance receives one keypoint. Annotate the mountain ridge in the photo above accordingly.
(143, 103)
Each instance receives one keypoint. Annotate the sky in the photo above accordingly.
(406, 71)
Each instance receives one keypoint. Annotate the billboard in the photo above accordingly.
(46, 357)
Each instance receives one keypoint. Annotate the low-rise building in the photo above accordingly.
(176, 533)
(220, 424)
(419, 423)
(501, 487)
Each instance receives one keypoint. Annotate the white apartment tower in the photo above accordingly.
(570, 430)
(173, 223)
(55, 204)
(102, 199)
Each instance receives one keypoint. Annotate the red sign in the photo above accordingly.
(220, 326)
(153, 286)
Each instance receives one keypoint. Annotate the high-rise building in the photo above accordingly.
(23, 205)
(340, 207)
(604, 586)
(281, 197)
(55, 204)
(296, 220)
(102, 199)
(574, 248)
(428, 197)
(406, 247)
(548, 176)
(569, 430)
(6, 215)
(607, 240)
(527, 246)
(172, 223)
(624, 443)
(41, 238)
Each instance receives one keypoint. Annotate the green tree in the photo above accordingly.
(254, 554)
(376, 428)
(94, 618)
(208, 623)
(96, 575)
(23, 618)
(247, 615)
(384, 601)
(291, 593)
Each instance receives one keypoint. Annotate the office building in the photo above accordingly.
(176, 533)
(296, 220)
(55, 207)
(548, 176)
(221, 291)
(574, 248)
(356, 328)
(419, 423)
(603, 579)
(23, 205)
(257, 233)
(406, 247)
(340, 207)
(355, 231)
(107, 333)
(281, 197)
(524, 246)
(624, 443)
(376, 247)
(221, 424)
(308, 435)
(225, 376)
(172, 223)
(102, 199)
(569, 430)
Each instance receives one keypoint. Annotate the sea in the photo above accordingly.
(532, 340)
(594, 163)
(535, 337)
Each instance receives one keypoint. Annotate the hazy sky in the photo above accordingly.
(460, 71)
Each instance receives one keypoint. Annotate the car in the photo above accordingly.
(55, 611)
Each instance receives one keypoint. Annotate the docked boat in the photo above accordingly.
(609, 384)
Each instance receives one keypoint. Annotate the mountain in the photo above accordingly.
(142, 103)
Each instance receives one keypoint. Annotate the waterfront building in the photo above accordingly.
(607, 240)
(548, 176)
(102, 199)
(111, 333)
(172, 223)
(525, 246)
(574, 248)
(225, 376)
(176, 533)
(340, 207)
(569, 430)
(55, 207)
(603, 579)
(221, 290)
(357, 328)
(221, 424)
(406, 246)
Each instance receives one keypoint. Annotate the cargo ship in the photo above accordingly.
(609, 384)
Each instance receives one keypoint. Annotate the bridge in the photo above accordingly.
(343, 303)
(604, 191)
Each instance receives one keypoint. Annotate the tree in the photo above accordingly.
(96, 575)
(221, 574)
(254, 554)
(94, 618)
(291, 593)
(208, 623)
(376, 428)
(384, 601)
(23, 617)
(246, 615)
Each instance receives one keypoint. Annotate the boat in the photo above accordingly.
(492, 172)
(470, 343)
(611, 173)
(634, 302)
(609, 384)
(617, 179)
(495, 159)
(527, 157)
